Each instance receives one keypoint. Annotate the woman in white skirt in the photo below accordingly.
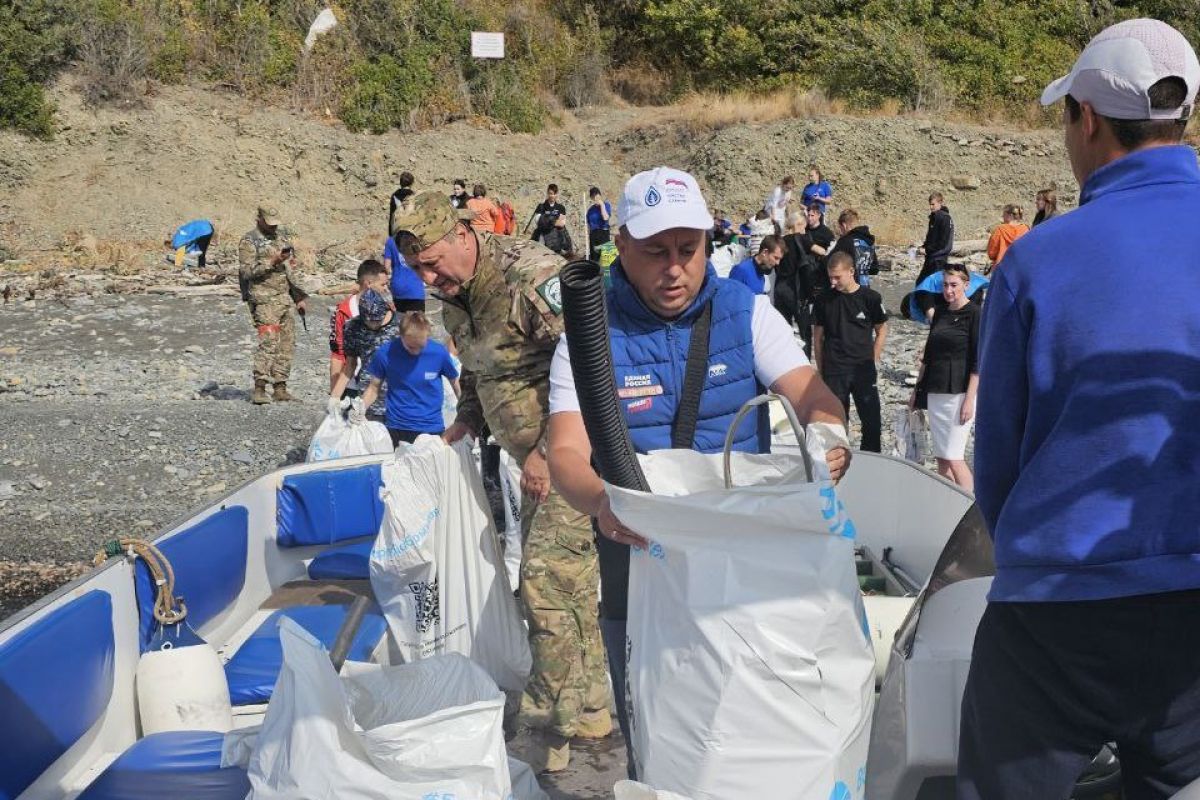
(949, 376)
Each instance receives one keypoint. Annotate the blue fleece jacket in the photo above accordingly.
(1088, 432)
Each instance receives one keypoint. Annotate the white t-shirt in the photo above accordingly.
(776, 353)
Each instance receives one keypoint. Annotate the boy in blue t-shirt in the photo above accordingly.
(413, 368)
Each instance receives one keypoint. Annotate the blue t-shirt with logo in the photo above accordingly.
(405, 283)
(595, 221)
(414, 384)
(820, 192)
(747, 273)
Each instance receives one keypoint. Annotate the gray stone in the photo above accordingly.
(965, 183)
(241, 456)
(7, 490)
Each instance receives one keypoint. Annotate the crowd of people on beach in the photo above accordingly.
(784, 295)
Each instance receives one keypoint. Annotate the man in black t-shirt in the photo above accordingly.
(849, 331)
(547, 213)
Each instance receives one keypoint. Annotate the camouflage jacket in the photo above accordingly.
(264, 282)
(506, 322)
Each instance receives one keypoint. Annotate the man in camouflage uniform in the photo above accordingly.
(266, 258)
(501, 304)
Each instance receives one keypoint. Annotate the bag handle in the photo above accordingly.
(687, 415)
(746, 408)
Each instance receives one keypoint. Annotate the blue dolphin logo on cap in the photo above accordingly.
(653, 198)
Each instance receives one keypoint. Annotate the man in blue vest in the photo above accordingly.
(663, 286)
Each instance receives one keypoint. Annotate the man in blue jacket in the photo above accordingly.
(662, 285)
(1088, 450)
(753, 271)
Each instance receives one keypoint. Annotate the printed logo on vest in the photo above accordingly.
(639, 391)
(638, 380)
(645, 404)
(717, 370)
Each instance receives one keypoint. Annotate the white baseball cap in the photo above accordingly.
(660, 199)
(1115, 71)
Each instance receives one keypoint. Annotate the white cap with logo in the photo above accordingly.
(1115, 71)
(660, 199)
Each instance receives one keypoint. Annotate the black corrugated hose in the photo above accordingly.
(586, 320)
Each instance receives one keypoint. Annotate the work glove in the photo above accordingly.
(358, 414)
(333, 407)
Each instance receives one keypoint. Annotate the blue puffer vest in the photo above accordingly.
(650, 358)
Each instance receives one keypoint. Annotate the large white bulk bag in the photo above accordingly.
(436, 567)
(751, 671)
(433, 729)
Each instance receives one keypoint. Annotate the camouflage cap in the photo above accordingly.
(426, 221)
(269, 215)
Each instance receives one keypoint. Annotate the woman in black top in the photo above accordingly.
(950, 375)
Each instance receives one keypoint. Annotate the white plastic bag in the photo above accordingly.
(436, 568)
(378, 733)
(750, 667)
(510, 492)
(337, 438)
(632, 790)
(909, 427)
(324, 23)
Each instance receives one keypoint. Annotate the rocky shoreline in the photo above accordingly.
(126, 409)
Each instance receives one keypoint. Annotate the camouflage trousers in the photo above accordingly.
(276, 340)
(559, 577)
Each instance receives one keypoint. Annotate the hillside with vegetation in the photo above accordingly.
(406, 64)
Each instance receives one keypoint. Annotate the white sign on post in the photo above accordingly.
(487, 45)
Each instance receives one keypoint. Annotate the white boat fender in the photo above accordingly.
(181, 684)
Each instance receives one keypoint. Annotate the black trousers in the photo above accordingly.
(595, 239)
(858, 382)
(398, 435)
(409, 305)
(1051, 683)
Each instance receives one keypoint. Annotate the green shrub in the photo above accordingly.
(387, 91)
(35, 42)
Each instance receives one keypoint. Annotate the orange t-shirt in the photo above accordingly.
(1002, 238)
(485, 213)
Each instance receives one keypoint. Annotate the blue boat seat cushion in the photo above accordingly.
(254, 668)
(178, 765)
(346, 562)
(329, 506)
(209, 559)
(56, 677)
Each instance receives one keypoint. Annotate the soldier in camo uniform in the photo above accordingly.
(265, 259)
(501, 303)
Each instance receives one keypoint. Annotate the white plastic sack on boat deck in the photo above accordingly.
(430, 729)
(750, 667)
(910, 429)
(436, 568)
(632, 790)
(337, 438)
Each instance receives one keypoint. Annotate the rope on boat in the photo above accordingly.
(168, 609)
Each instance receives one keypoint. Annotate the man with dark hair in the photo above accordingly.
(858, 242)
(400, 197)
(1086, 454)
(599, 214)
(458, 193)
(849, 331)
(547, 213)
(754, 270)
(939, 242)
